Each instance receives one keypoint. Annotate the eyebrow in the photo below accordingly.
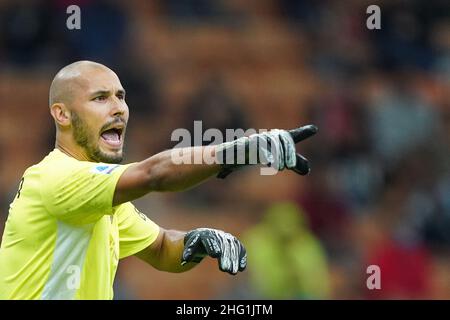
(107, 92)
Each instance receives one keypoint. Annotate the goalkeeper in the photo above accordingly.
(72, 220)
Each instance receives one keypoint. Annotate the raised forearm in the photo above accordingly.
(162, 172)
(180, 169)
(167, 174)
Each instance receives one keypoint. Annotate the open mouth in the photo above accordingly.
(113, 136)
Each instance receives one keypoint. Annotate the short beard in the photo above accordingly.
(87, 142)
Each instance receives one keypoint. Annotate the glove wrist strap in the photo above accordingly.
(232, 156)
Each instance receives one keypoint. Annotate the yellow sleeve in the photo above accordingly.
(80, 192)
(136, 230)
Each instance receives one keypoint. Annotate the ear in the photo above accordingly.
(61, 114)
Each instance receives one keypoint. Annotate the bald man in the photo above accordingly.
(72, 219)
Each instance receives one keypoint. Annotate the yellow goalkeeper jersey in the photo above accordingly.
(63, 238)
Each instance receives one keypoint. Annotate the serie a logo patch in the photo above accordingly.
(104, 168)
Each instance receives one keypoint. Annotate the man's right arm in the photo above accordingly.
(161, 173)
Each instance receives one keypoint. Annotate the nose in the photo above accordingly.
(118, 107)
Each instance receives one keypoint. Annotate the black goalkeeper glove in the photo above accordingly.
(274, 148)
(223, 246)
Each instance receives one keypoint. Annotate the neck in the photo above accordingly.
(71, 149)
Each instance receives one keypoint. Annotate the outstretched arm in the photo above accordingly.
(161, 172)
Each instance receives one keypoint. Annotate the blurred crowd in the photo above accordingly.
(379, 189)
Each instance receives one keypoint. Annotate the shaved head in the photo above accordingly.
(87, 101)
(70, 79)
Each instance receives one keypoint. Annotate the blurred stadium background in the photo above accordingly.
(379, 190)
